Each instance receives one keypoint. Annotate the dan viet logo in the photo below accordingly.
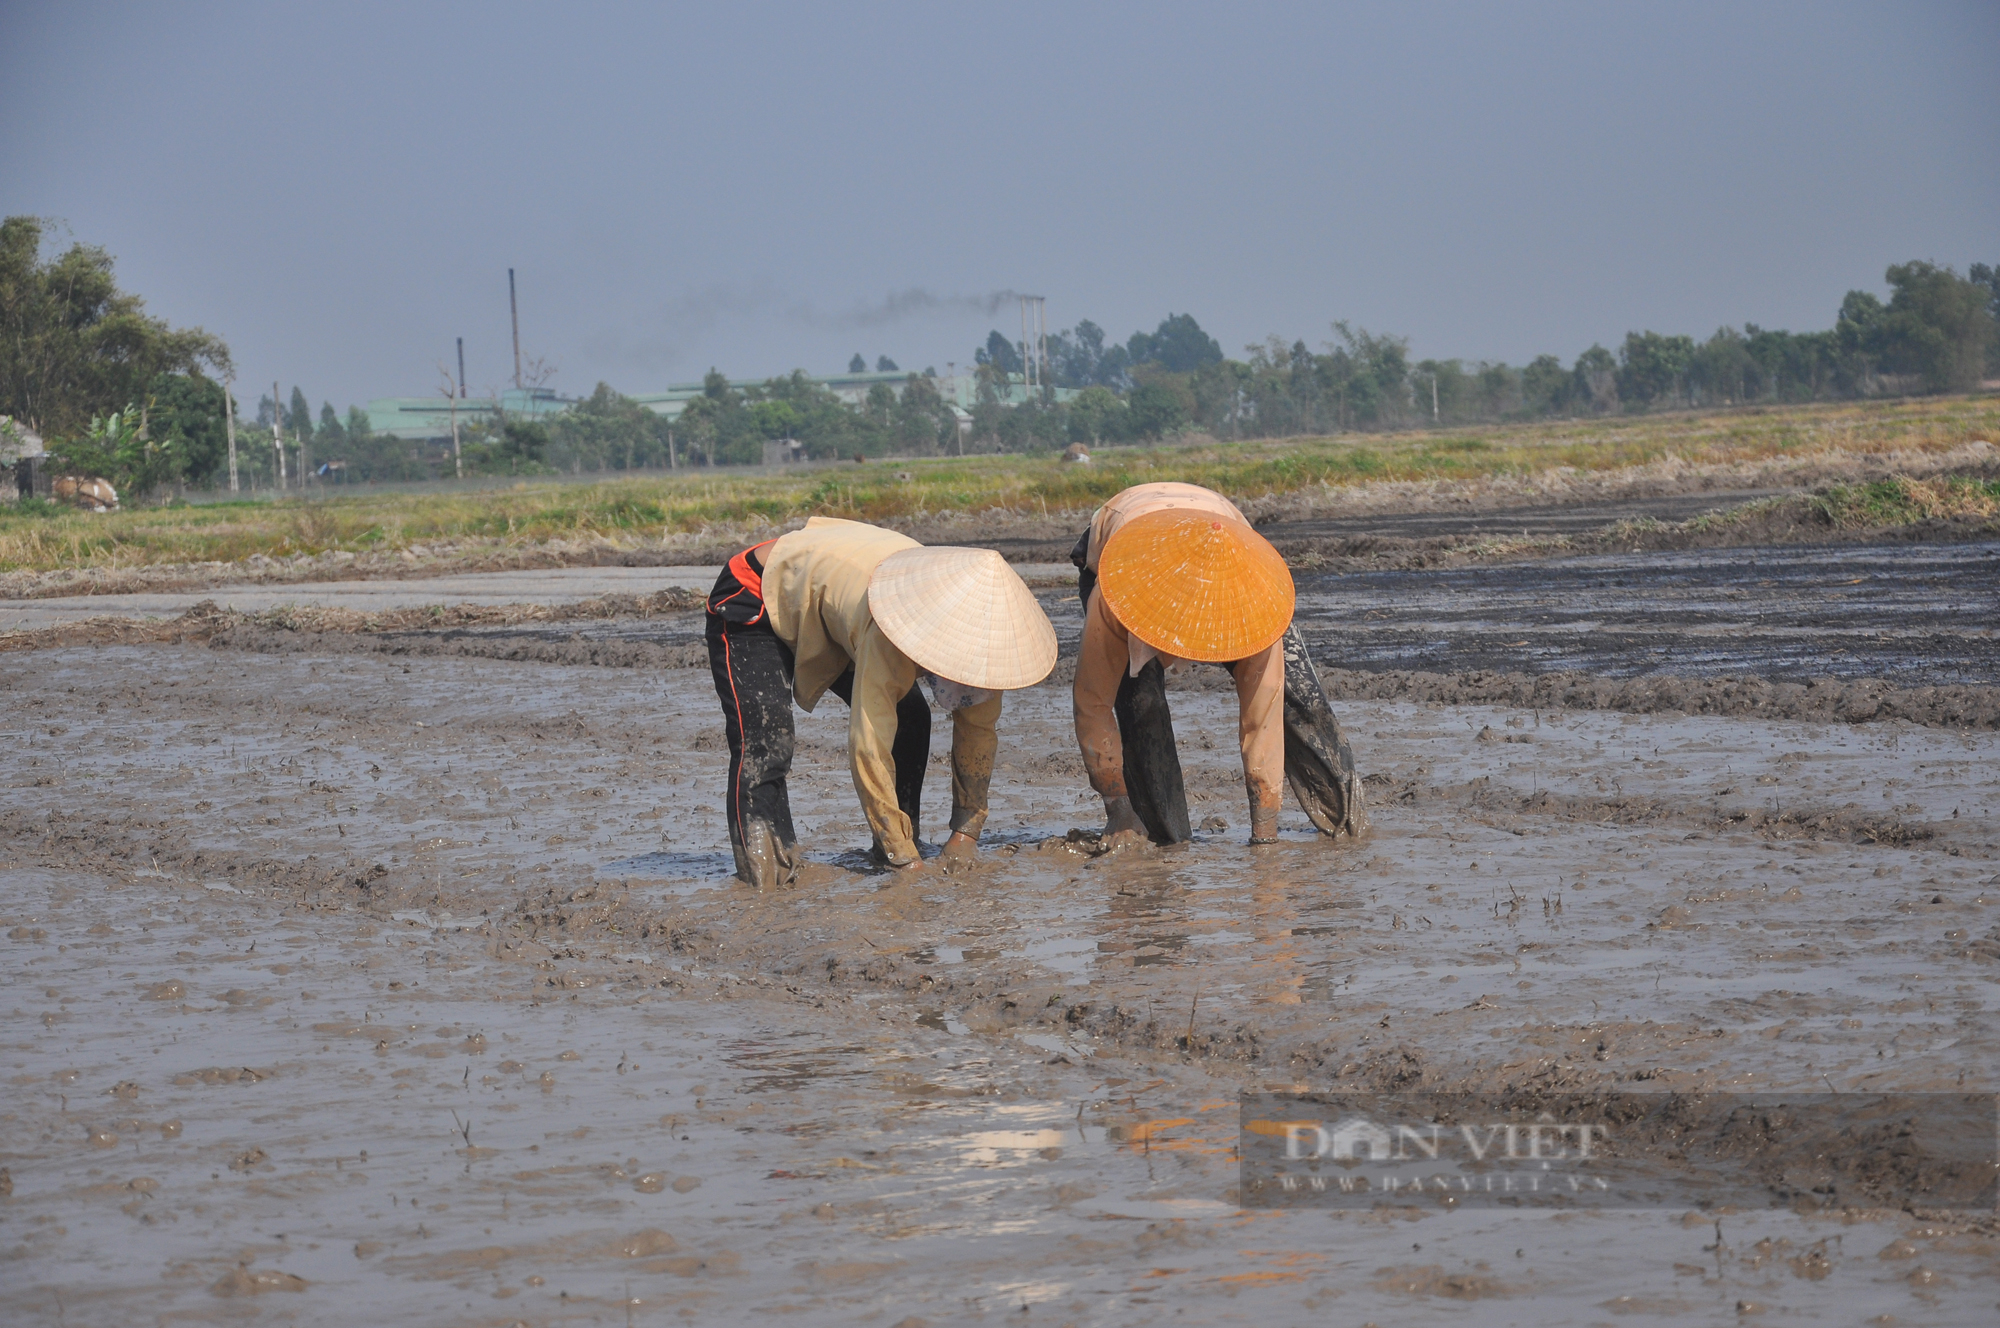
(1619, 1149)
(1542, 1156)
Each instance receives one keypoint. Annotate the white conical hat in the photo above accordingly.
(963, 615)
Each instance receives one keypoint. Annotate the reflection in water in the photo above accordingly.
(787, 1068)
(1274, 874)
(1156, 906)
(685, 872)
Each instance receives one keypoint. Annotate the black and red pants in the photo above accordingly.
(753, 672)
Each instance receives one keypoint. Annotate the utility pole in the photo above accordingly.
(1042, 342)
(1034, 343)
(461, 368)
(1027, 372)
(514, 308)
(451, 392)
(1434, 396)
(305, 463)
(278, 434)
(229, 419)
(672, 464)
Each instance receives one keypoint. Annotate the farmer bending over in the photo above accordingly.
(1172, 573)
(864, 613)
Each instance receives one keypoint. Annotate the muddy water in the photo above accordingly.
(265, 915)
(1916, 614)
(1922, 613)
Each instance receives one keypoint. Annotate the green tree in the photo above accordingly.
(1857, 332)
(331, 433)
(74, 346)
(1938, 327)
(922, 421)
(1078, 358)
(857, 364)
(880, 406)
(522, 444)
(774, 420)
(1369, 375)
(1653, 368)
(1161, 404)
(298, 422)
(1791, 366)
(1442, 391)
(999, 353)
(186, 412)
(120, 447)
(1178, 345)
(1544, 386)
(605, 431)
(883, 364)
(1594, 380)
(1722, 370)
(1988, 275)
(1097, 416)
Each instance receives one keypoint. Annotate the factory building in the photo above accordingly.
(419, 418)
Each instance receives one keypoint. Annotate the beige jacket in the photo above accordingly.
(1108, 651)
(816, 594)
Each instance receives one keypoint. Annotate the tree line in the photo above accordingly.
(1938, 332)
(117, 392)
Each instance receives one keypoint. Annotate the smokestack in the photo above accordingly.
(461, 368)
(515, 309)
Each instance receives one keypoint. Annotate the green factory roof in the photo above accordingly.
(430, 417)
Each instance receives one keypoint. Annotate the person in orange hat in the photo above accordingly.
(1172, 573)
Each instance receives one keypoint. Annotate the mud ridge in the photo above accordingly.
(1496, 805)
(463, 645)
(336, 632)
(207, 622)
(1790, 522)
(1844, 701)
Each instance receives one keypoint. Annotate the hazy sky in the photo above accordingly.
(339, 189)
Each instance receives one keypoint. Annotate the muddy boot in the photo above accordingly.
(1319, 765)
(765, 860)
(1152, 763)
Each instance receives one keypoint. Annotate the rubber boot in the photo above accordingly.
(764, 859)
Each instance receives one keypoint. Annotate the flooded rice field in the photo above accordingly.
(1922, 613)
(1918, 614)
(413, 988)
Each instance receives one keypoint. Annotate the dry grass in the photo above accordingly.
(648, 508)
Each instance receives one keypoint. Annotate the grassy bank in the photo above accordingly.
(649, 507)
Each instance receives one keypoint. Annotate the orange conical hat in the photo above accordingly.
(1196, 585)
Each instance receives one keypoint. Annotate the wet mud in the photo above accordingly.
(1851, 635)
(1920, 614)
(415, 988)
